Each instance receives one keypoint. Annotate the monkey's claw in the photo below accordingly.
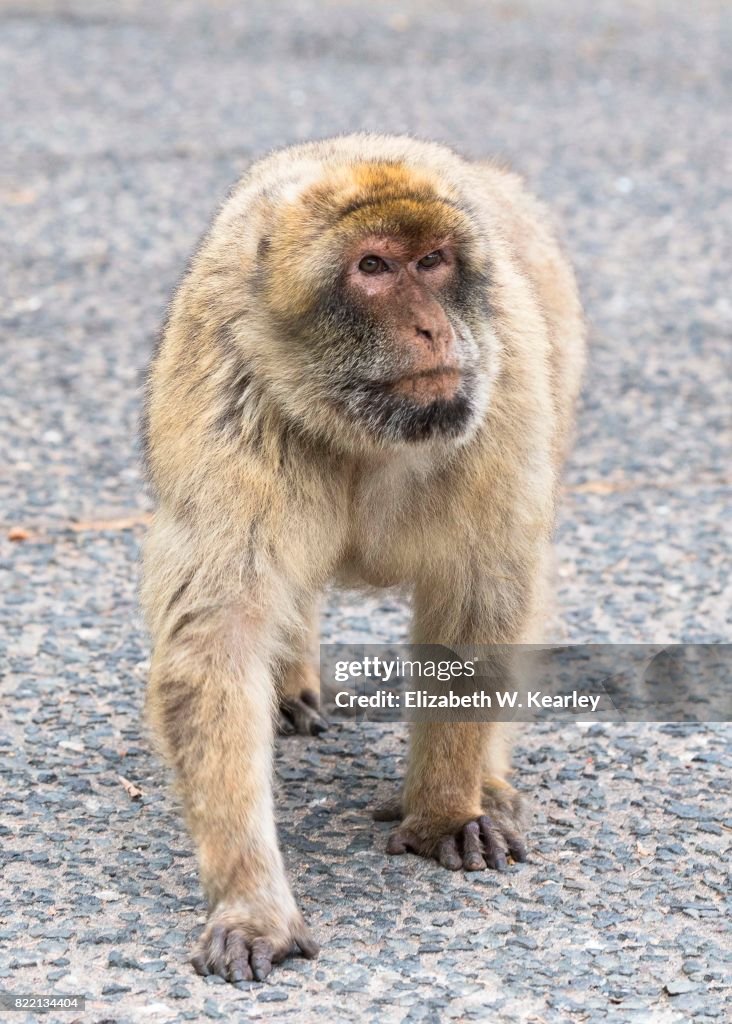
(476, 845)
(226, 951)
(301, 715)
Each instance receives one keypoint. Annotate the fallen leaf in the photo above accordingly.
(18, 533)
(130, 788)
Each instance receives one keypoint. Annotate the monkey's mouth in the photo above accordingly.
(439, 402)
(440, 383)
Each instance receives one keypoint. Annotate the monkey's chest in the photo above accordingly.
(387, 529)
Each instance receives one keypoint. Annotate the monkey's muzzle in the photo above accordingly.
(439, 384)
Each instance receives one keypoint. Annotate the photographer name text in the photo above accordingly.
(384, 699)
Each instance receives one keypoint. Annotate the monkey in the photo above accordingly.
(367, 375)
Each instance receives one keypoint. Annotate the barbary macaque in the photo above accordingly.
(367, 374)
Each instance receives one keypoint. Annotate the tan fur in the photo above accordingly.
(255, 515)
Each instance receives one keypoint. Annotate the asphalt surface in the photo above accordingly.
(121, 127)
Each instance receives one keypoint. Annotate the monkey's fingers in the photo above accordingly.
(493, 844)
(472, 858)
(226, 951)
(304, 939)
(210, 956)
(516, 847)
(447, 853)
(475, 846)
(261, 958)
(403, 841)
(237, 956)
(264, 955)
(198, 961)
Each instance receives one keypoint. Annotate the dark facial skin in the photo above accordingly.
(402, 290)
(401, 354)
(392, 342)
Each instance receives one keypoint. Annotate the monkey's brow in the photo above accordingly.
(391, 197)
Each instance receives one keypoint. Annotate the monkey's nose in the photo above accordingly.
(434, 344)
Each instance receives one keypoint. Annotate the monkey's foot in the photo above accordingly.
(300, 701)
(238, 949)
(485, 841)
(301, 714)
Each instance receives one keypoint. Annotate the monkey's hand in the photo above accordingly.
(485, 841)
(243, 939)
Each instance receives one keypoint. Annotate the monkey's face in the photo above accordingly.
(406, 354)
(395, 338)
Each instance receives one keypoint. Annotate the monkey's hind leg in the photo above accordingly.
(299, 697)
(298, 687)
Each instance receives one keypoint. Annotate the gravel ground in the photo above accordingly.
(121, 126)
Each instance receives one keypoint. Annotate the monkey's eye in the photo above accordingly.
(372, 265)
(430, 260)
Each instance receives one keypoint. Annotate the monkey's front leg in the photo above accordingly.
(212, 700)
(456, 805)
(449, 811)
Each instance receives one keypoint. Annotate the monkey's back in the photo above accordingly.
(529, 229)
